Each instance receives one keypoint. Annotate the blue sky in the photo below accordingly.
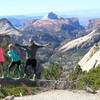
(20, 7)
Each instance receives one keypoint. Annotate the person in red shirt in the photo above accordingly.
(2, 60)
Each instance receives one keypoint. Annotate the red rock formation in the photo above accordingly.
(54, 22)
(94, 23)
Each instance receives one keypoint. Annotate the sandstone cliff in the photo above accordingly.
(91, 59)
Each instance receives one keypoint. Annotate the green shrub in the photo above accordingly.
(91, 78)
(53, 72)
(75, 72)
(17, 90)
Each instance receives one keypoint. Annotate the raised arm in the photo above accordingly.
(23, 46)
(40, 46)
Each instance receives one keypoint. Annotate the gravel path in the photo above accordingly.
(62, 95)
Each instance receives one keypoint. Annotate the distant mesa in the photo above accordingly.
(53, 22)
(94, 23)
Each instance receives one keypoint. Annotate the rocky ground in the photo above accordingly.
(62, 95)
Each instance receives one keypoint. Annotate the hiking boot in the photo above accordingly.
(24, 76)
(34, 77)
(19, 77)
(2, 76)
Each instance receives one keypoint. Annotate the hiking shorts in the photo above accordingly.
(32, 62)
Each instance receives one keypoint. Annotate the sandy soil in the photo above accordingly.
(62, 95)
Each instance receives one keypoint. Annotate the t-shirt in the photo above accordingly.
(13, 54)
(30, 50)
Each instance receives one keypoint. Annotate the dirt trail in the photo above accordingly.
(62, 95)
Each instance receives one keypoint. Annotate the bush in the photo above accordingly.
(91, 78)
(75, 72)
(17, 90)
(53, 72)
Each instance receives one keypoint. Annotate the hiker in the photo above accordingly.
(15, 59)
(1, 60)
(31, 50)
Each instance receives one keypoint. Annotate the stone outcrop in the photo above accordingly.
(91, 59)
(6, 28)
(51, 84)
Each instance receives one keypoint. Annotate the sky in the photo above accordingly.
(20, 7)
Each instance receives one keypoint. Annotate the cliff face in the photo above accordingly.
(91, 59)
(82, 42)
(6, 28)
(70, 53)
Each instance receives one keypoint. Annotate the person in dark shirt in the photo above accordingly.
(31, 50)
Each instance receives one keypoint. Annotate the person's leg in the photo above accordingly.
(18, 67)
(1, 63)
(10, 66)
(25, 68)
(34, 64)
